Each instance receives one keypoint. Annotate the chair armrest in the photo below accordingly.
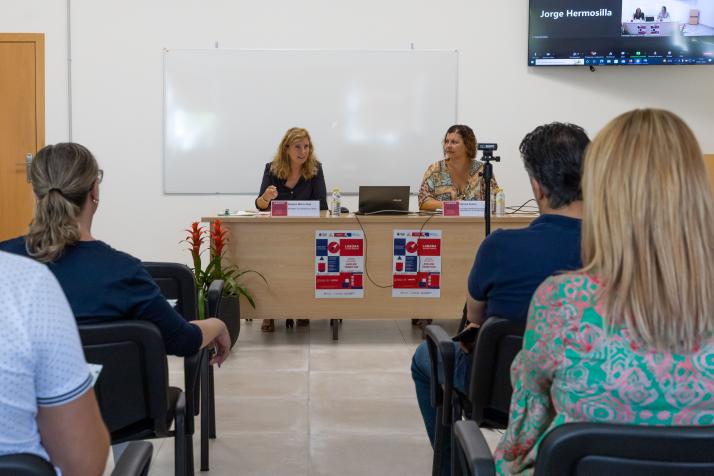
(441, 346)
(135, 460)
(192, 379)
(475, 450)
(213, 298)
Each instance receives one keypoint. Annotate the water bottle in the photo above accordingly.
(500, 203)
(336, 203)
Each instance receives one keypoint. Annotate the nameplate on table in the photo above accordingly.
(463, 208)
(295, 208)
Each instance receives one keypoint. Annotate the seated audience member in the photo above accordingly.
(629, 338)
(101, 283)
(639, 15)
(510, 264)
(47, 405)
(663, 14)
(294, 174)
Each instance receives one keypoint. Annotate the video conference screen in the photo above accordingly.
(623, 32)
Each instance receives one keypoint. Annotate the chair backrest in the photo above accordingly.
(440, 347)
(176, 282)
(499, 340)
(25, 464)
(586, 449)
(132, 388)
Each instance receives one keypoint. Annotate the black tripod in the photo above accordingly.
(487, 175)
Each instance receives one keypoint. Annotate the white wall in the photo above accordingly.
(117, 83)
(50, 18)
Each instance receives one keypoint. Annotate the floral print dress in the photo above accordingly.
(572, 368)
(437, 184)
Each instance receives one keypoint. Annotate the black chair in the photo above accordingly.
(440, 344)
(133, 390)
(589, 449)
(489, 396)
(135, 461)
(177, 283)
(490, 389)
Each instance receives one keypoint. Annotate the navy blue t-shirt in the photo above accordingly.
(511, 264)
(103, 284)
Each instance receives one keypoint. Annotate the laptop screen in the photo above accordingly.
(383, 200)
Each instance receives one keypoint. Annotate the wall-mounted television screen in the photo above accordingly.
(622, 32)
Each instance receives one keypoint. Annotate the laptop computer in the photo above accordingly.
(383, 200)
(649, 18)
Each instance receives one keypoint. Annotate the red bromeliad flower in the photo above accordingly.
(196, 238)
(219, 237)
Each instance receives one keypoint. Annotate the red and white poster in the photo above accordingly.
(416, 263)
(339, 264)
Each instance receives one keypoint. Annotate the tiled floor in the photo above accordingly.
(298, 403)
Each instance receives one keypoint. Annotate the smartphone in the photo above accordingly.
(466, 336)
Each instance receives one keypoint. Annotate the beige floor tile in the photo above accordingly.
(395, 359)
(362, 385)
(251, 415)
(358, 337)
(371, 325)
(366, 416)
(274, 454)
(369, 454)
(281, 337)
(267, 358)
(262, 384)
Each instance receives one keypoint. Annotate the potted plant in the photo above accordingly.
(229, 311)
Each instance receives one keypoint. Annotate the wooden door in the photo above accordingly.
(22, 125)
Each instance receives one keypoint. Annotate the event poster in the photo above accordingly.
(339, 264)
(416, 263)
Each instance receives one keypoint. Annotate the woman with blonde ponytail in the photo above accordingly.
(630, 337)
(63, 177)
(101, 283)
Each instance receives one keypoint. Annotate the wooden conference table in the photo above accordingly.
(283, 250)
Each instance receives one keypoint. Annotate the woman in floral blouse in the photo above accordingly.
(629, 338)
(457, 177)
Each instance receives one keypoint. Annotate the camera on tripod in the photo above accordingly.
(487, 148)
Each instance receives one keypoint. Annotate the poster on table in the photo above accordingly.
(339, 264)
(416, 263)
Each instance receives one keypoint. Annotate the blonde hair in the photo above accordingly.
(648, 229)
(62, 175)
(280, 166)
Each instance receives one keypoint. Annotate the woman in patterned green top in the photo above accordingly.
(629, 338)
(457, 177)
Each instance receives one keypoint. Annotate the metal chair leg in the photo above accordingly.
(212, 401)
(205, 411)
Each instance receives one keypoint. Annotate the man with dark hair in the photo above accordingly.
(510, 264)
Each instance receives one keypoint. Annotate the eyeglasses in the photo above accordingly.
(100, 175)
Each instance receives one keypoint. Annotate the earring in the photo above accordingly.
(95, 201)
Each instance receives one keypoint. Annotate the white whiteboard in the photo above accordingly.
(375, 117)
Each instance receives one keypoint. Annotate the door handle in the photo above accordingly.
(28, 165)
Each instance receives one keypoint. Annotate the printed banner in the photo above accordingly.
(339, 264)
(416, 263)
